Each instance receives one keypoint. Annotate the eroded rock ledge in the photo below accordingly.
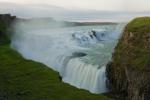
(129, 72)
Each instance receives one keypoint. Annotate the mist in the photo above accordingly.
(78, 53)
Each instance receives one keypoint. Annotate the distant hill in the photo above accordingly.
(48, 21)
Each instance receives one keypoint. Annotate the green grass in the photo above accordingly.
(22, 79)
(140, 25)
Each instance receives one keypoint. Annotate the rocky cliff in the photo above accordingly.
(129, 72)
(5, 21)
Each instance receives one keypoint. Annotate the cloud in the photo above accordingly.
(46, 10)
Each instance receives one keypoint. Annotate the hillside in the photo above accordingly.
(129, 71)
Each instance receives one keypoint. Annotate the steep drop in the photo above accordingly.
(129, 71)
(58, 47)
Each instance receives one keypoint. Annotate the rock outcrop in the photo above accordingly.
(129, 71)
(5, 21)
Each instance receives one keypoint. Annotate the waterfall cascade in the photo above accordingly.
(79, 54)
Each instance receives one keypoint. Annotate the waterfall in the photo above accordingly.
(79, 54)
(85, 76)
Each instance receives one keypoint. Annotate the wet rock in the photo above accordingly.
(79, 54)
(94, 32)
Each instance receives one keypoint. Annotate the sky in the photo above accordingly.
(78, 10)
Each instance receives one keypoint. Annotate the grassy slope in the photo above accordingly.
(141, 24)
(133, 49)
(22, 79)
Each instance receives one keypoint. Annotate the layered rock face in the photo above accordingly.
(129, 72)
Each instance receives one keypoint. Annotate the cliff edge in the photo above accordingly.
(22, 79)
(129, 72)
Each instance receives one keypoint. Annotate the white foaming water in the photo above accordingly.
(77, 53)
(86, 76)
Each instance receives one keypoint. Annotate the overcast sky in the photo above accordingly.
(78, 10)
